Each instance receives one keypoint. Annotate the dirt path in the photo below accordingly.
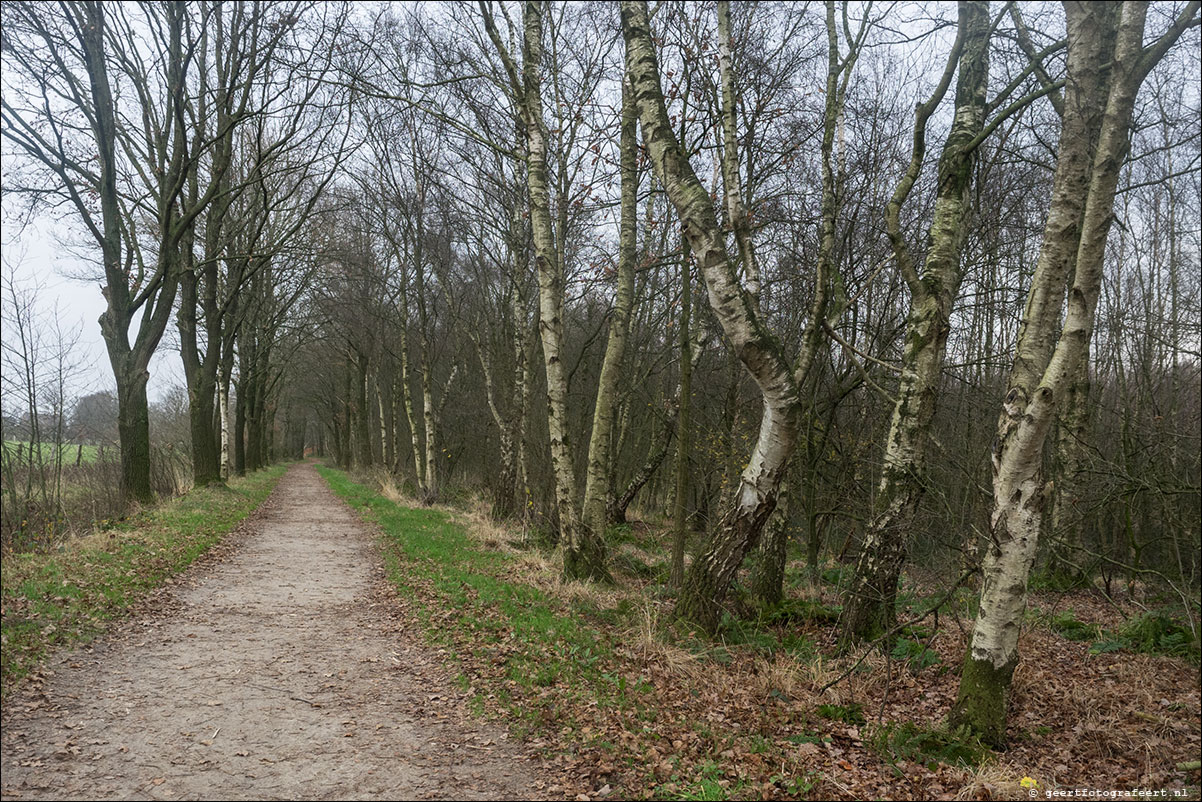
(277, 672)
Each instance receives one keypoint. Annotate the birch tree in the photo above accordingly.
(597, 486)
(869, 605)
(583, 549)
(711, 573)
(1107, 62)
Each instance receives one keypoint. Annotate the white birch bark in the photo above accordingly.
(1106, 65)
(736, 210)
(711, 573)
(870, 600)
(223, 411)
(583, 550)
(597, 482)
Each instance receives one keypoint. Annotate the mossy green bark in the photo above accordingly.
(983, 699)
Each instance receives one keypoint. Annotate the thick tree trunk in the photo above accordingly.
(1106, 65)
(133, 429)
(709, 577)
(129, 363)
(239, 434)
(869, 608)
(200, 374)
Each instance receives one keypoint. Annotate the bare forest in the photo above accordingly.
(750, 400)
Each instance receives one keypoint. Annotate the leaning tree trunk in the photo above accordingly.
(1106, 65)
(657, 452)
(711, 574)
(869, 608)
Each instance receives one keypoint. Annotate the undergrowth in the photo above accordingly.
(907, 741)
(1149, 633)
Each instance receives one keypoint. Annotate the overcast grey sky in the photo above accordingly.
(42, 253)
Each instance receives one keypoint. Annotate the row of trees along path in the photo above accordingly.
(351, 211)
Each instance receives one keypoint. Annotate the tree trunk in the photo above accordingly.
(429, 420)
(583, 549)
(768, 578)
(223, 411)
(201, 383)
(1106, 65)
(597, 482)
(133, 428)
(657, 453)
(1071, 489)
(736, 210)
(129, 363)
(680, 530)
(362, 412)
(710, 575)
(869, 607)
(239, 434)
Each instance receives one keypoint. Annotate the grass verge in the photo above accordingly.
(576, 670)
(467, 605)
(69, 595)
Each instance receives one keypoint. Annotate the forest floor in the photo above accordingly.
(626, 705)
(441, 656)
(274, 669)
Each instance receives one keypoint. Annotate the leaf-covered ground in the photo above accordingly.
(629, 707)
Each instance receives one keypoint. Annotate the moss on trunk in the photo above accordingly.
(983, 699)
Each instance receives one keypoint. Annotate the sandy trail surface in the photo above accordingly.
(279, 669)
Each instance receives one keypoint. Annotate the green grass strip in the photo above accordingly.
(542, 650)
(70, 452)
(67, 596)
